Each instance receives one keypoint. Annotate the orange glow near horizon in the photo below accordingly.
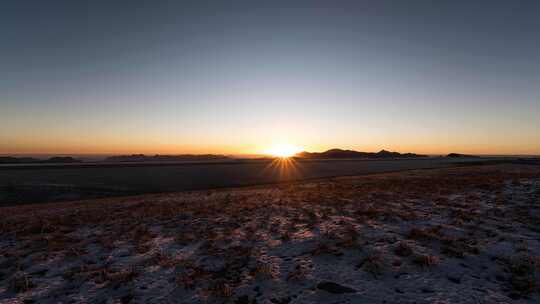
(112, 145)
(283, 150)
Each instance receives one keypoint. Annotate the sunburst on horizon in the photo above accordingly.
(283, 150)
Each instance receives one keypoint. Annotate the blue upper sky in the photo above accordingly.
(241, 76)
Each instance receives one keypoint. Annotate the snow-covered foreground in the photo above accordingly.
(460, 235)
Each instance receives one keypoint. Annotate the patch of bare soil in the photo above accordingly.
(460, 235)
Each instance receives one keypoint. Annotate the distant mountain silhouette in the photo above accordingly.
(165, 158)
(460, 155)
(62, 159)
(17, 160)
(338, 153)
(31, 160)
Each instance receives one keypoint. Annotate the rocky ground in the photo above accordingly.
(460, 235)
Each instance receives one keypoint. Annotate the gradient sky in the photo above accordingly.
(241, 76)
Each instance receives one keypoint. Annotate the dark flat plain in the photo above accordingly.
(54, 183)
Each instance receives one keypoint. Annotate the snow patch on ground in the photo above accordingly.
(460, 235)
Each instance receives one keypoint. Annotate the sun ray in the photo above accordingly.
(283, 150)
(286, 168)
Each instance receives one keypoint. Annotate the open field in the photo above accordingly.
(55, 183)
(452, 235)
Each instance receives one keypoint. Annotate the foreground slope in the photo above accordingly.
(467, 235)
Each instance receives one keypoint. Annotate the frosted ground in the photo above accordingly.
(455, 235)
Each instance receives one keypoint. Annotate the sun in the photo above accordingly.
(283, 150)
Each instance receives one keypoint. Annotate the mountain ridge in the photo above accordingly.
(341, 153)
(164, 158)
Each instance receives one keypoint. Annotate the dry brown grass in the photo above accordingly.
(425, 260)
(403, 249)
(372, 263)
(522, 269)
(20, 282)
(299, 273)
(458, 247)
(425, 234)
(236, 226)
